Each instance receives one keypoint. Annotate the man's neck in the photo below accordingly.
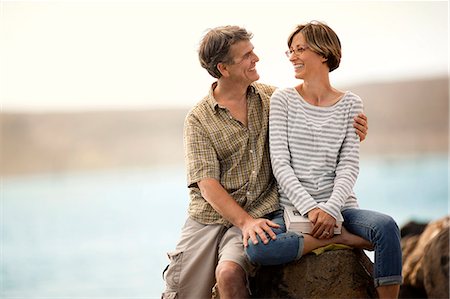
(227, 92)
(234, 99)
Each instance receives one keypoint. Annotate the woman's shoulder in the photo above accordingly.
(282, 98)
(352, 101)
(285, 90)
(284, 93)
(352, 97)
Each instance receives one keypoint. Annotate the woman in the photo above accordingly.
(315, 158)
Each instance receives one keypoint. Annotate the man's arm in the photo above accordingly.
(226, 206)
(361, 124)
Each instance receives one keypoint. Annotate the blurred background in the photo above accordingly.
(93, 97)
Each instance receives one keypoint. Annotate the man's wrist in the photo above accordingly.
(243, 220)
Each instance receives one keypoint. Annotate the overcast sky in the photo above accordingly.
(87, 55)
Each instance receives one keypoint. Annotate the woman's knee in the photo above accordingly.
(255, 251)
(387, 224)
(386, 231)
(280, 251)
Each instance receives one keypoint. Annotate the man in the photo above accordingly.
(232, 189)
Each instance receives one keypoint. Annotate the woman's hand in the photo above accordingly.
(361, 125)
(323, 224)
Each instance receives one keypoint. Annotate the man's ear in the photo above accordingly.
(222, 67)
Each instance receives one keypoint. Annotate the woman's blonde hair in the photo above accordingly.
(321, 39)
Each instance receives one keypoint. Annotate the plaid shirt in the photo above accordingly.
(220, 147)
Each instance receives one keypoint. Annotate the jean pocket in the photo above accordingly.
(174, 270)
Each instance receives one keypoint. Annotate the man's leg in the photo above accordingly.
(234, 268)
(231, 280)
(191, 270)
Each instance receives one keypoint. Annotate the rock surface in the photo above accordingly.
(435, 266)
(412, 228)
(333, 274)
(426, 262)
(347, 273)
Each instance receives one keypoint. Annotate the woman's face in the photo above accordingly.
(306, 62)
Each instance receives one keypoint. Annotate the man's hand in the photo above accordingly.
(361, 125)
(323, 224)
(225, 205)
(259, 227)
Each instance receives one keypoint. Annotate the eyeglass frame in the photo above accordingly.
(296, 51)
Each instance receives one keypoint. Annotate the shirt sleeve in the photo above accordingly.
(200, 156)
(347, 169)
(280, 155)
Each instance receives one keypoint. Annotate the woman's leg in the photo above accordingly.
(382, 231)
(287, 247)
(346, 238)
(290, 246)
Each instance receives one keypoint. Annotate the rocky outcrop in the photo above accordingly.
(412, 228)
(347, 273)
(332, 274)
(426, 262)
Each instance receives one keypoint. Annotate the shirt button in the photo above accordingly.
(253, 172)
(251, 151)
(248, 192)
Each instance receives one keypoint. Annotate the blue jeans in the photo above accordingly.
(287, 247)
(382, 231)
(379, 229)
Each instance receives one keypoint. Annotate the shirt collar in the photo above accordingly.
(251, 90)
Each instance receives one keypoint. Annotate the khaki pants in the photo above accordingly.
(191, 273)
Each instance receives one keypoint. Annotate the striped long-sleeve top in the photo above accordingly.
(314, 151)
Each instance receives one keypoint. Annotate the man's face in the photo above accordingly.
(243, 68)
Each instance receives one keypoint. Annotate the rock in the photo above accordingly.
(412, 228)
(435, 266)
(413, 251)
(426, 262)
(408, 244)
(333, 274)
(410, 292)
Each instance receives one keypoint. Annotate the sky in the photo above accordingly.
(108, 55)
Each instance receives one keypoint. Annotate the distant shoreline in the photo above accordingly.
(405, 118)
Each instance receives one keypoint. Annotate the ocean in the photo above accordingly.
(104, 234)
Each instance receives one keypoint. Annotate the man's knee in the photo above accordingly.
(229, 274)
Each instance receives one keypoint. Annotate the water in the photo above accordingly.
(105, 234)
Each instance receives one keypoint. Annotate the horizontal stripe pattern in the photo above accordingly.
(314, 151)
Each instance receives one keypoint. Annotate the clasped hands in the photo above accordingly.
(323, 224)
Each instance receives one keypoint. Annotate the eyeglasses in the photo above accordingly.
(297, 51)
